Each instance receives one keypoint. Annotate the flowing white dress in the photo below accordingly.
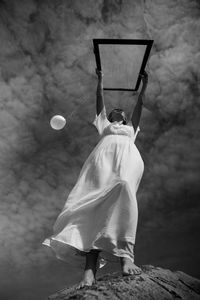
(101, 210)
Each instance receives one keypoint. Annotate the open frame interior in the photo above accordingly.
(122, 62)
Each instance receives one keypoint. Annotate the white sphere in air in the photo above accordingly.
(57, 122)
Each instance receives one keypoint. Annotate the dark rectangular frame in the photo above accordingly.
(148, 43)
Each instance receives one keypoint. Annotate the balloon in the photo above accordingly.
(57, 122)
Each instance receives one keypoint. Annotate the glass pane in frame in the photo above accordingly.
(122, 61)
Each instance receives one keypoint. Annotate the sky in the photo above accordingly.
(47, 67)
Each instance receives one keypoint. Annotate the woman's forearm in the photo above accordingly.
(137, 112)
(100, 98)
(138, 108)
(143, 89)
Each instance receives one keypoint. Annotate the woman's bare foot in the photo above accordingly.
(88, 279)
(128, 267)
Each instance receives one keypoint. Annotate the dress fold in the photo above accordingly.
(101, 211)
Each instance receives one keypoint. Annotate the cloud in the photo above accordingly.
(47, 67)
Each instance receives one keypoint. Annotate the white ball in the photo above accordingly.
(57, 122)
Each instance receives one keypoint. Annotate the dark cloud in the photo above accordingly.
(47, 67)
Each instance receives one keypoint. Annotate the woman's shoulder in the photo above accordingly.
(129, 124)
(131, 127)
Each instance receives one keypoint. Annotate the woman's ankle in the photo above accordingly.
(91, 260)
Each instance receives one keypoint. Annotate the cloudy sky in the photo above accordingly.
(47, 67)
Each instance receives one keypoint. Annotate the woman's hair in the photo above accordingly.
(119, 110)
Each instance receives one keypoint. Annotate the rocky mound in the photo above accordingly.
(154, 283)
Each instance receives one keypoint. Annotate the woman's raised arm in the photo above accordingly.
(100, 99)
(138, 108)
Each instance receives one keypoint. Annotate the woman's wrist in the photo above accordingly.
(144, 80)
(100, 84)
(100, 75)
(143, 89)
(140, 98)
(100, 80)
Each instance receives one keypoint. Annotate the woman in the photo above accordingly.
(99, 219)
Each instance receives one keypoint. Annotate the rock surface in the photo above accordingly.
(154, 283)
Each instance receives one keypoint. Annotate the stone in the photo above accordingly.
(153, 283)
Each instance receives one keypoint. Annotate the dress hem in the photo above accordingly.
(77, 252)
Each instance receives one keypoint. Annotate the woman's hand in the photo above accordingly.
(99, 74)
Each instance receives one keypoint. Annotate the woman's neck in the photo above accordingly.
(120, 122)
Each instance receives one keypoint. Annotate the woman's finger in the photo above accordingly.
(97, 70)
(145, 74)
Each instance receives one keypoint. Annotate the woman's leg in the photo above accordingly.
(89, 276)
(91, 260)
(127, 264)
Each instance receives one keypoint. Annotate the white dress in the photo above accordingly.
(101, 210)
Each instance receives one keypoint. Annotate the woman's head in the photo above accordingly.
(117, 114)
